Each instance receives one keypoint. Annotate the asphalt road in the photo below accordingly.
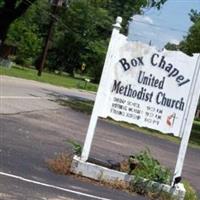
(32, 134)
(20, 95)
(28, 139)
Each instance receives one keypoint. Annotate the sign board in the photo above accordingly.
(147, 87)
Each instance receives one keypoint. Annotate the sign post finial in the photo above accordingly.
(117, 25)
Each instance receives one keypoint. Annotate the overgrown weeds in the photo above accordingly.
(60, 164)
(147, 171)
(76, 147)
(190, 192)
(144, 165)
(117, 184)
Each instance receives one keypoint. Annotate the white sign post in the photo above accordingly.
(147, 87)
(103, 83)
(188, 121)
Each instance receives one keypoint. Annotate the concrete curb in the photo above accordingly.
(100, 173)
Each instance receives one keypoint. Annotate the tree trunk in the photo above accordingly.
(9, 13)
(4, 26)
(3, 33)
(198, 113)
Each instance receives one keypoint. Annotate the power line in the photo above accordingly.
(159, 26)
(146, 38)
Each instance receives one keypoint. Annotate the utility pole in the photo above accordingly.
(40, 64)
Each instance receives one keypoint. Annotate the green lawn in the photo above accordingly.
(59, 80)
(195, 135)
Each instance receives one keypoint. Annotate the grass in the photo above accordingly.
(87, 106)
(78, 105)
(54, 79)
(61, 164)
(195, 135)
(190, 192)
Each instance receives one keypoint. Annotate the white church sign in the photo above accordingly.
(147, 87)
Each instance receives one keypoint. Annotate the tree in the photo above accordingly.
(86, 40)
(10, 10)
(194, 15)
(26, 33)
(127, 8)
(172, 47)
(81, 34)
(191, 42)
(73, 45)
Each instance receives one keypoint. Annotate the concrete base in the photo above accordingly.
(100, 173)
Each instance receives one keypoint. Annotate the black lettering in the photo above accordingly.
(126, 66)
(173, 73)
(140, 59)
(134, 62)
(184, 82)
(169, 67)
(152, 59)
(140, 78)
(116, 86)
(162, 62)
(179, 78)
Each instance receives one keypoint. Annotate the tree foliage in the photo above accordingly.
(191, 42)
(27, 33)
(87, 37)
(10, 10)
(81, 33)
(84, 41)
(170, 46)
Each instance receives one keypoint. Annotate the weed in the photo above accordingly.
(148, 167)
(124, 166)
(76, 147)
(61, 164)
(190, 192)
(117, 184)
(160, 196)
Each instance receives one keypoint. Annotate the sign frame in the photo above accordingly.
(189, 113)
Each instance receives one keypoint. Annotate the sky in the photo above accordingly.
(169, 24)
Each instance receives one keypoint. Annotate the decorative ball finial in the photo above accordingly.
(119, 20)
(118, 23)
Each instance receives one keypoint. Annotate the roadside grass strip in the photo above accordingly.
(64, 80)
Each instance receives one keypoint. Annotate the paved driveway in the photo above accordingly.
(20, 95)
(51, 125)
(28, 140)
